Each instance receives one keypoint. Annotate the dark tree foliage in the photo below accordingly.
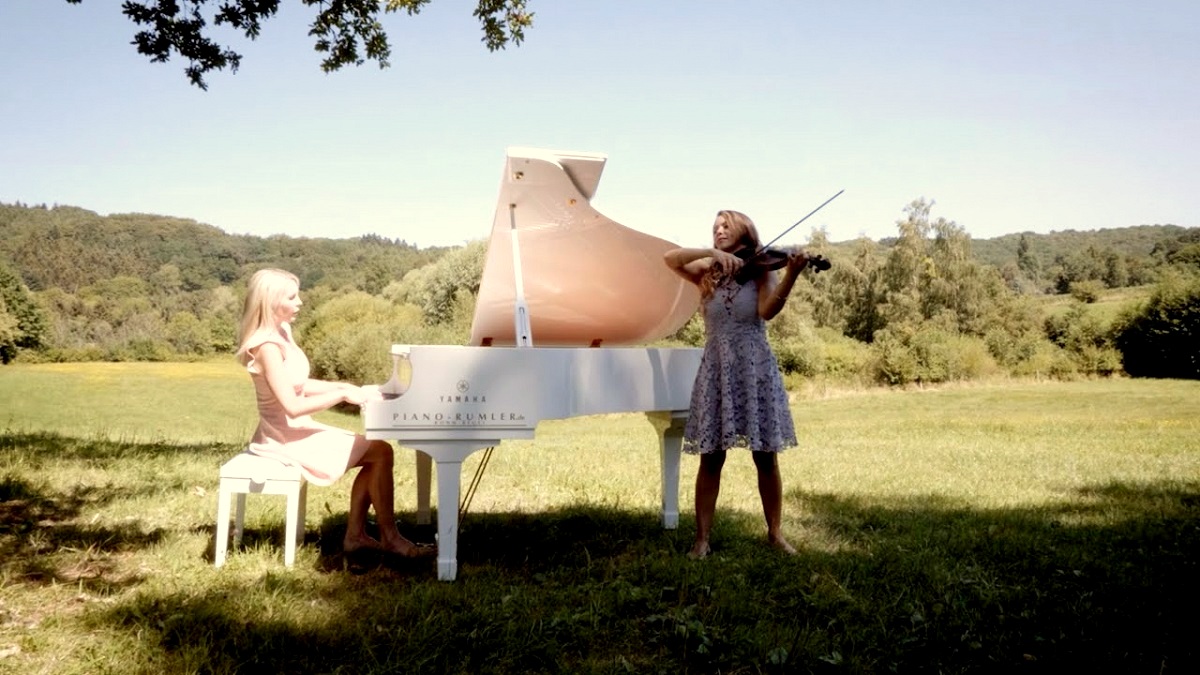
(1135, 241)
(347, 32)
(22, 324)
(1118, 257)
(1183, 250)
(1027, 262)
(1162, 337)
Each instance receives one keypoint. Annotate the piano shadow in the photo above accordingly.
(573, 537)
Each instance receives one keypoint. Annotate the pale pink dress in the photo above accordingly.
(321, 451)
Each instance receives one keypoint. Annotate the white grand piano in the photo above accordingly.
(565, 294)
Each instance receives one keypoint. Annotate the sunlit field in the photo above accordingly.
(1014, 526)
(1106, 308)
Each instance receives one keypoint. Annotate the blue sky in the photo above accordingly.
(1010, 116)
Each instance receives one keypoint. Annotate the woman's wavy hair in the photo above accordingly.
(267, 288)
(744, 232)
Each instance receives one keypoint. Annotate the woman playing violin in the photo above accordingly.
(738, 400)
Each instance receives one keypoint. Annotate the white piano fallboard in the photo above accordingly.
(479, 392)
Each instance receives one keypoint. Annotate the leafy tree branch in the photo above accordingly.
(345, 31)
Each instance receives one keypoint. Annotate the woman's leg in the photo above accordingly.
(374, 486)
(770, 490)
(708, 486)
(356, 523)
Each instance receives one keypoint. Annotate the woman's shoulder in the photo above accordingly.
(265, 337)
(252, 347)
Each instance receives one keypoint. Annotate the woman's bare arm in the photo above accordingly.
(773, 296)
(269, 358)
(693, 263)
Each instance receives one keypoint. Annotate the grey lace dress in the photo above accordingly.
(738, 400)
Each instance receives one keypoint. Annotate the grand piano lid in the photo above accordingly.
(587, 280)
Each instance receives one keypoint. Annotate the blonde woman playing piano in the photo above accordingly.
(287, 397)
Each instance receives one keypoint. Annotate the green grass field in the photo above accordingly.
(1110, 304)
(1009, 527)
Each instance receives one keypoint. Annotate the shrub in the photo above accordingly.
(1086, 291)
(349, 337)
(1162, 337)
(1085, 339)
(1097, 360)
(928, 355)
(843, 358)
(1008, 349)
(799, 352)
(1047, 360)
(692, 332)
(141, 349)
(188, 334)
(799, 356)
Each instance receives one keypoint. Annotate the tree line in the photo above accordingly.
(148, 287)
(929, 305)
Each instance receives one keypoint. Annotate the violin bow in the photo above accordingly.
(768, 244)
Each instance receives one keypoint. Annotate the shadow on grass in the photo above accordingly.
(1106, 580)
(46, 533)
(1103, 582)
(36, 526)
(41, 448)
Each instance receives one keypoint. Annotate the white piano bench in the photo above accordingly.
(247, 473)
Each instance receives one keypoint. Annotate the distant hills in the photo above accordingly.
(70, 248)
(1135, 242)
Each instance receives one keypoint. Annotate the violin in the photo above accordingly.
(767, 258)
(755, 262)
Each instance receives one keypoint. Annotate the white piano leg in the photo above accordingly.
(671, 437)
(449, 456)
(424, 474)
(449, 477)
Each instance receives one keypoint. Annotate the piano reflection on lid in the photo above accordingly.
(559, 273)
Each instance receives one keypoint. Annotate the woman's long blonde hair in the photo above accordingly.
(266, 290)
(743, 231)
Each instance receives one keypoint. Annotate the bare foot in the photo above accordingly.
(407, 549)
(351, 544)
(700, 551)
(781, 544)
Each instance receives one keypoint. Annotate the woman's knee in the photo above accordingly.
(379, 452)
(712, 462)
(766, 461)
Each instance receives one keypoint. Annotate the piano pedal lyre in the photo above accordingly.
(469, 496)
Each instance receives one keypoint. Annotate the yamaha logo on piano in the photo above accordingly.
(463, 387)
(458, 398)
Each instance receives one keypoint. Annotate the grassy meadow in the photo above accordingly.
(1010, 527)
(1112, 302)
